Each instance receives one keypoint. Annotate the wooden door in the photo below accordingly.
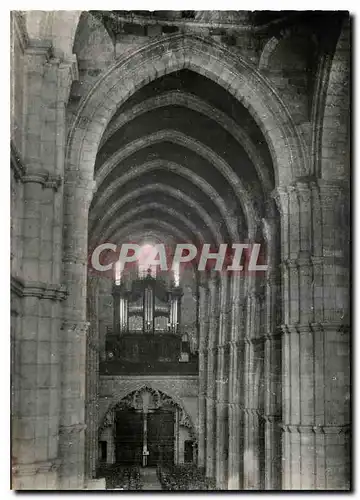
(161, 437)
(128, 437)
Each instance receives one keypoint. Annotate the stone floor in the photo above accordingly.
(149, 480)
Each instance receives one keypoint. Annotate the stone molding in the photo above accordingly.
(300, 328)
(46, 179)
(316, 429)
(306, 259)
(72, 429)
(39, 47)
(303, 186)
(38, 289)
(21, 173)
(35, 468)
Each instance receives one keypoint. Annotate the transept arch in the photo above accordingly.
(208, 59)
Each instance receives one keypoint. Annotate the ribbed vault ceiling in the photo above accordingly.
(183, 160)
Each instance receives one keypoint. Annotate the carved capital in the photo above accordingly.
(303, 190)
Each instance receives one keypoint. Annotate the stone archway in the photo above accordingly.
(122, 80)
(147, 401)
(128, 75)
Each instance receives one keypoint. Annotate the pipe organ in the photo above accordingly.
(146, 336)
(155, 305)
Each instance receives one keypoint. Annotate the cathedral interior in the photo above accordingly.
(180, 127)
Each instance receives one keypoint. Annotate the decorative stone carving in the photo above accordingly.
(144, 399)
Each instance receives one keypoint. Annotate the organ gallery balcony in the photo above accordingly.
(136, 353)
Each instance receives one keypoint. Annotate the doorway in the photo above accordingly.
(138, 433)
(128, 437)
(161, 437)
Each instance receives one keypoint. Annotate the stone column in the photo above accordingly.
(273, 393)
(316, 354)
(251, 428)
(272, 360)
(77, 199)
(203, 334)
(222, 386)
(211, 371)
(35, 438)
(236, 370)
(92, 381)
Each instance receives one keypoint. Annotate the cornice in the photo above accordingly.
(38, 289)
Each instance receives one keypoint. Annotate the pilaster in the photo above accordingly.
(315, 345)
(203, 334)
(236, 387)
(222, 387)
(211, 371)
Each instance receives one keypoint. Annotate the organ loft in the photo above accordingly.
(147, 335)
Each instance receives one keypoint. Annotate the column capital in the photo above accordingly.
(46, 179)
(316, 429)
(301, 328)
